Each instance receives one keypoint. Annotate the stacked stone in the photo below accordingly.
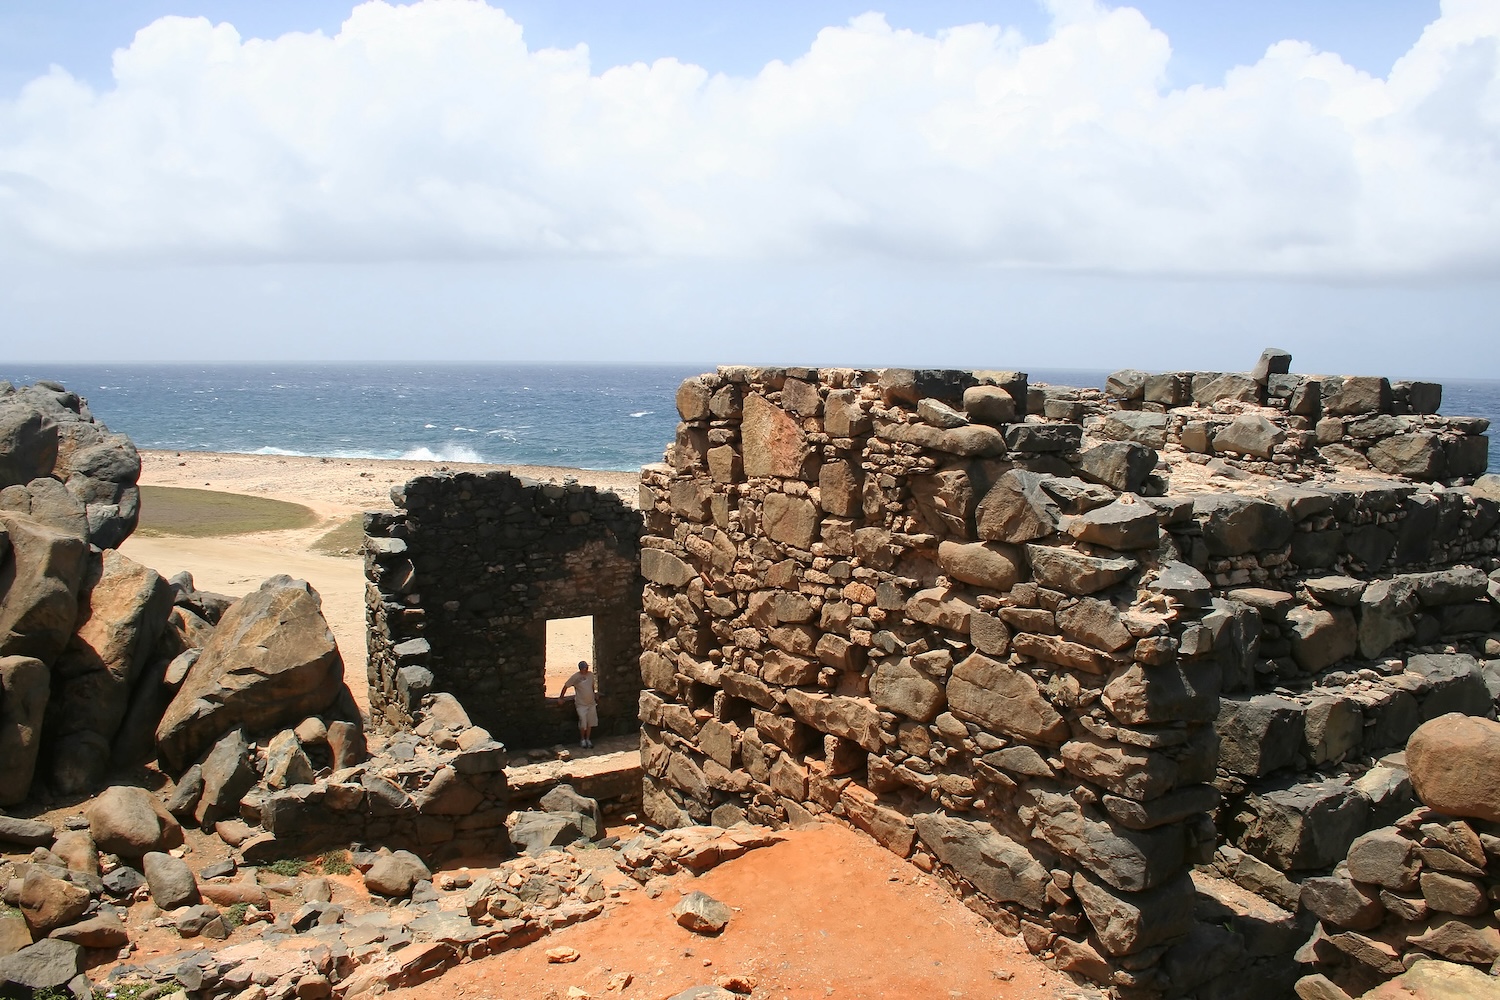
(439, 791)
(1277, 536)
(1273, 423)
(462, 581)
(1423, 888)
(896, 598)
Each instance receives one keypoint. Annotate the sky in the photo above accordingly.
(1005, 184)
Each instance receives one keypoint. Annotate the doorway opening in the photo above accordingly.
(568, 641)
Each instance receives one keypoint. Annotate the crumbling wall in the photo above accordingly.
(890, 597)
(1273, 423)
(462, 582)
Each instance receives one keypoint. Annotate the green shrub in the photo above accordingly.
(335, 863)
(288, 867)
(234, 915)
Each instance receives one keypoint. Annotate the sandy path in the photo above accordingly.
(334, 489)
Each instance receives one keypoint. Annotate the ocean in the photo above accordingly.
(612, 418)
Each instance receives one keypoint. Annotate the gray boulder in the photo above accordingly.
(171, 880)
(227, 774)
(25, 686)
(1234, 525)
(395, 875)
(39, 586)
(1121, 465)
(272, 661)
(701, 913)
(535, 832)
(47, 965)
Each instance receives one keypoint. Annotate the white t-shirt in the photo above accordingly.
(583, 685)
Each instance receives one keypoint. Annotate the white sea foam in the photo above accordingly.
(444, 453)
(429, 427)
(642, 413)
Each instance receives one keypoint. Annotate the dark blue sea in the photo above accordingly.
(577, 416)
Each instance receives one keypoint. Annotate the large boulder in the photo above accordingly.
(39, 585)
(25, 684)
(271, 662)
(170, 879)
(130, 822)
(122, 609)
(1454, 762)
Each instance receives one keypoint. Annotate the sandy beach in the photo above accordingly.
(335, 489)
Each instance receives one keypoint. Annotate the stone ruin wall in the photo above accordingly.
(969, 616)
(462, 581)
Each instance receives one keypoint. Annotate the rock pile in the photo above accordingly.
(1423, 888)
(316, 936)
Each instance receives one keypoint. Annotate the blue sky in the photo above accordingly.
(1170, 184)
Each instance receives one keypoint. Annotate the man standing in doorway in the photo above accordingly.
(585, 700)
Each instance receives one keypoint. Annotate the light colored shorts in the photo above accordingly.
(588, 715)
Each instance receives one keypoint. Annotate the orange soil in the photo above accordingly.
(826, 914)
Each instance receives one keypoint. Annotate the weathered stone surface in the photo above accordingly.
(1121, 465)
(989, 404)
(25, 832)
(25, 685)
(1415, 456)
(47, 965)
(991, 565)
(1249, 434)
(997, 866)
(1306, 826)
(39, 587)
(1003, 699)
(130, 822)
(171, 880)
(286, 762)
(1234, 525)
(1321, 637)
(900, 687)
(1455, 684)
(1334, 725)
(1017, 509)
(1232, 386)
(48, 902)
(272, 661)
(227, 775)
(1454, 762)
(1433, 980)
(665, 568)
(701, 913)
(1342, 902)
(1132, 772)
(1130, 860)
(394, 875)
(103, 930)
(854, 719)
(1094, 622)
(1144, 428)
(1142, 695)
(122, 609)
(1129, 922)
(1259, 734)
(1461, 940)
(1353, 395)
(773, 443)
(1124, 525)
(792, 520)
(1074, 572)
(945, 500)
(1043, 438)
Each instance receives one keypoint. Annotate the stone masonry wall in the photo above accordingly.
(462, 581)
(894, 598)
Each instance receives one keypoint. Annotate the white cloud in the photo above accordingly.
(431, 131)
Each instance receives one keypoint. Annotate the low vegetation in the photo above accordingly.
(189, 513)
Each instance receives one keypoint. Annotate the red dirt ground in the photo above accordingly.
(825, 914)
